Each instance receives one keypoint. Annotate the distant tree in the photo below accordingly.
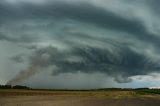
(20, 87)
(13, 87)
(5, 86)
(141, 88)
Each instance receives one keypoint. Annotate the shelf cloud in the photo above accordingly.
(116, 38)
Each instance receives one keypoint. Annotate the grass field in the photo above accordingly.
(153, 91)
(15, 97)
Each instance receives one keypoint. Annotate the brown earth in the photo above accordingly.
(76, 98)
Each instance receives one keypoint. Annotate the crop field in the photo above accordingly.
(15, 97)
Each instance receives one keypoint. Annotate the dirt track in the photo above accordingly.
(75, 101)
(8, 98)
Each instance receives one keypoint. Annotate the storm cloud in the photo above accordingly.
(121, 64)
(115, 38)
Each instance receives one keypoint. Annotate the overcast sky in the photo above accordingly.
(80, 43)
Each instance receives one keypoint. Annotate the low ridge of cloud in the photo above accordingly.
(83, 36)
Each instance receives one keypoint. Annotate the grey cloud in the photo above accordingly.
(121, 64)
(80, 39)
(102, 60)
(153, 5)
(83, 12)
(16, 39)
(18, 58)
(122, 79)
(3, 37)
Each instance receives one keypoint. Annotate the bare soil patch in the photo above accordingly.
(76, 98)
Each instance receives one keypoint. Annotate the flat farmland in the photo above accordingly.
(10, 97)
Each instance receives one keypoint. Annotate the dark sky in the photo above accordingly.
(80, 44)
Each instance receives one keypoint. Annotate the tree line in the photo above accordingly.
(13, 87)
